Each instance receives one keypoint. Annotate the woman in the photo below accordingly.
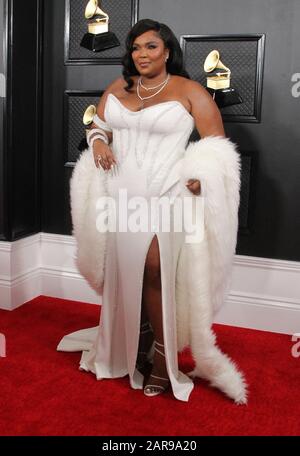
(143, 123)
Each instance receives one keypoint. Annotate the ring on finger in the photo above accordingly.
(101, 161)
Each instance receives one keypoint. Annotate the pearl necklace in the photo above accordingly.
(150, 96)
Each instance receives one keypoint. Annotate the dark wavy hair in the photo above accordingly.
(175, 61)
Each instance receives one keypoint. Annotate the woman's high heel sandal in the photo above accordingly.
(151, 389)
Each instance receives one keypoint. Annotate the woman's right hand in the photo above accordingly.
(103, 155)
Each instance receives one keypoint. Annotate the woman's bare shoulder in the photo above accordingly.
(195, 88)
(116, 85)
(189, 86)
(204, 109)
(188, 83)
(196, 92)
(113, 88)
(178, 78)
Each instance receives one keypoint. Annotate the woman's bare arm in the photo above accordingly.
(115, 85)
(100, 149)
(207, 117)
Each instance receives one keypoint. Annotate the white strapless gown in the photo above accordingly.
(149, 145)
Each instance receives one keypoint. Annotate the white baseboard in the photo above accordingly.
(20, 263)
(260, 312)
(59, 275)
(264, 293)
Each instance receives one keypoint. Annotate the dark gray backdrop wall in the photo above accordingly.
(20, 119)
(273, 143)
(2, 110)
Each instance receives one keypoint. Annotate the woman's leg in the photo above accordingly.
(152, 301)
(145, 341)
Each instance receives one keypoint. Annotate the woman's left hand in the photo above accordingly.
(194, 186)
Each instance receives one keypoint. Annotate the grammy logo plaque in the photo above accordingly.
(98, 37)
(87, 120)
(218, 83)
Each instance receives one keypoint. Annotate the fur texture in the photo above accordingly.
(204, 269)
(86, 185)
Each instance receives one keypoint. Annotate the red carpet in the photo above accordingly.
(44, 393)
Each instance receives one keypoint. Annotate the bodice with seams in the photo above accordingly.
(147, 143)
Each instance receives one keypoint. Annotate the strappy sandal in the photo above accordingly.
(154, 390)
(145, 352)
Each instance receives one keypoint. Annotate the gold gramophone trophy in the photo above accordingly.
(218, 84)
(87, 120)
(98, 37)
